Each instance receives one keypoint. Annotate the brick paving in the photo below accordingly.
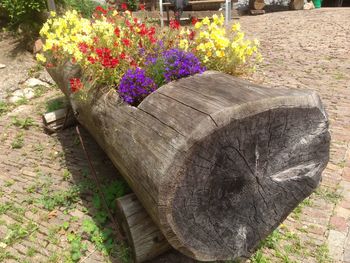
(301, 49)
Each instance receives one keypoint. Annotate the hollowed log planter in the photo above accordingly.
(217, 162)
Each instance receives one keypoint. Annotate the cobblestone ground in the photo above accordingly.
(49, 208)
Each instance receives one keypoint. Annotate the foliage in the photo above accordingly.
(55, 104)
(84, 7)
(4, 107)
(259, 257)
(18, 231)
(18, 141)
(24, 123)
(132, 5)
(23, 11)
(77, 247)
(63, 198)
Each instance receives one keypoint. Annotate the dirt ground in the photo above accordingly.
(301, 49)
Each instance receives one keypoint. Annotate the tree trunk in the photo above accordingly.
(217, 162)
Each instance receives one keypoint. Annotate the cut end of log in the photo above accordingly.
(242, 180)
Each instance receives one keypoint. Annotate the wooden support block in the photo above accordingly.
(58, 119)
(144, 237)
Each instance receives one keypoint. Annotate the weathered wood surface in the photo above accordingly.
(217, 162)
(297, 4)
(145, 238)
(58, 119)
(257, 4)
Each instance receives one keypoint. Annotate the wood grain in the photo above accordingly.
(145, 238)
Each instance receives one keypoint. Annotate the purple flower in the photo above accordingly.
(173, 64)
(135, 86)
(179, 64)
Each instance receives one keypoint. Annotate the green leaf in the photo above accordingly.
(71, 237)
(65, 225)
(76, 256)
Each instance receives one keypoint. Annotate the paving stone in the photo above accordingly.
(339, 223)
(336, 241)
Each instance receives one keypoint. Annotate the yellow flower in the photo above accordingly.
(198, 25)
(236, 27)
(52, 14)
(183, 44)
(203, 34)
(40, 58)
(45, 29)
(206, 21)
(220, 53)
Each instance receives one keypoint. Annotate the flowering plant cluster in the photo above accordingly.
(218, 49)
(120, 51)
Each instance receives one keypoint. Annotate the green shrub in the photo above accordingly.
(84, 7)
(23, 11)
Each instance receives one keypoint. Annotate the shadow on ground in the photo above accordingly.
(77, 165)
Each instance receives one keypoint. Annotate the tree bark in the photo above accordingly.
(217, 162)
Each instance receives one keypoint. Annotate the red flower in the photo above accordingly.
(191, 35)
(83, 47)
(174, 24)
(75, 84)
(101, 10)
(194, 20)
(142, 6)
(124, 6)
(117, 31)
(122, 55)
(152, 39)
(114, 62)
(126, 42)
(91, 60)
(143, 30)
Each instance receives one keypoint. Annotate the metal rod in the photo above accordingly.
(99, 187)
(51, 5)
(161, 13)
(227, 11)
